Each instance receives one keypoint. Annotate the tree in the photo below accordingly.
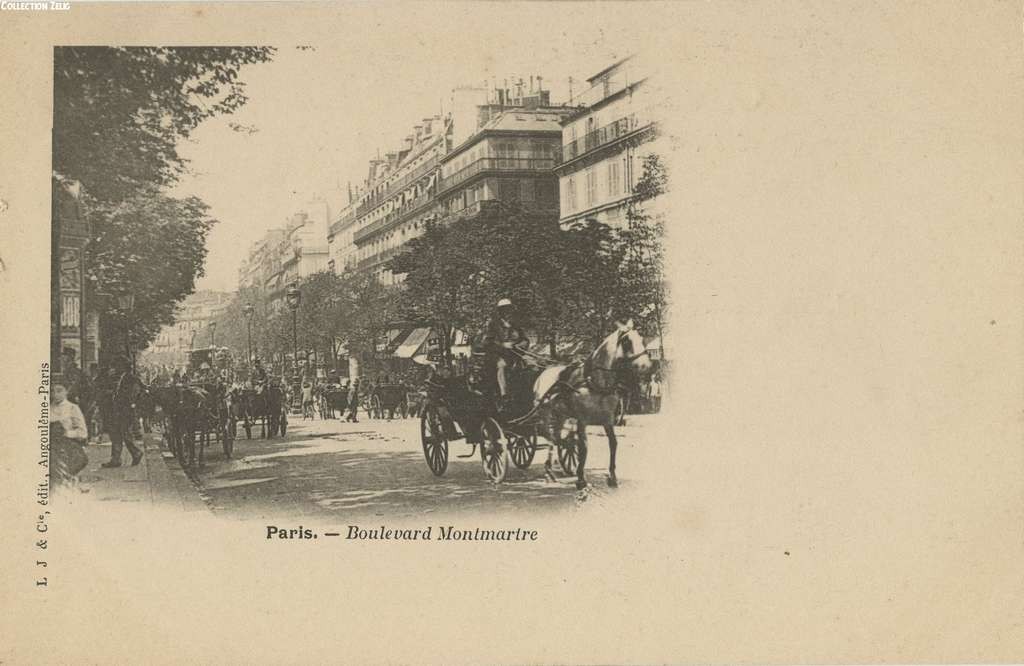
(442, 274)
(560, 278)
(152, 246)
(119, 112)
(643, 272)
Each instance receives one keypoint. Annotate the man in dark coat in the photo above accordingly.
(123, 387)
(502, 339)
(353, 402)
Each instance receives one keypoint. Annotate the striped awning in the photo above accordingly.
(412, 343)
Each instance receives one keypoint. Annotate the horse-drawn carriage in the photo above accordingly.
(551, 400)
(191, 414)
(387, 398)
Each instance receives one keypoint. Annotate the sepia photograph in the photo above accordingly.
(455, 289)
(511, 333)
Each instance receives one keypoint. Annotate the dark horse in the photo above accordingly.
(589, 393)
(267, 407)
(191, 414)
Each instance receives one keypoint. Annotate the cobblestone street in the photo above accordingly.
(376, 468)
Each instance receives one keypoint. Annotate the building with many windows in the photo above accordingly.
(495, 144)
(340, 248)
(604, 142)
(399, 197)
(510, 158)
(190, 330)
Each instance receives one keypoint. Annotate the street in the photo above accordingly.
(328, 469)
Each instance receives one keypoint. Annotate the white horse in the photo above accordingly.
(588, 392)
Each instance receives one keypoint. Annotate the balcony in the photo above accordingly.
(602, 136)
(495, 164)
(378, 258)
(394, 217)
(396, 186)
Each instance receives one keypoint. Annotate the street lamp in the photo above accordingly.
(126, 302)
(213, 334)
(249, 311)
(294, 297)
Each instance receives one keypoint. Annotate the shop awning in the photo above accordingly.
(412, 343)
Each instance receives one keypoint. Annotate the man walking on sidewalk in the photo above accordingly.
(122, 414)
(353, 402)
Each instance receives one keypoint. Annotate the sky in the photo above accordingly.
(321, 113)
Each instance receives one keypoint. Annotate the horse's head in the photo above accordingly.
(623, 348)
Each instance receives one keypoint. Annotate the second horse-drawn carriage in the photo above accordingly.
(390, 399)
(199, 411)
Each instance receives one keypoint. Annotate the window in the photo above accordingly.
(526, 190)
(591, 186)
(570, 199)
(614, 182)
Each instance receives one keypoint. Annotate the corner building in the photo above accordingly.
(604, 142)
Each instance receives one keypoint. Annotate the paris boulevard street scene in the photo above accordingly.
(444, 298)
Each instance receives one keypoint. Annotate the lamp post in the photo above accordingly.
(248, 311)
(294, 297)
(126, 302)
(213, 334)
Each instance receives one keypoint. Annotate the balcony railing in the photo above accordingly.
(410, 208)
(396, 186)
(496, 164)
(378, 258)
(602, 136)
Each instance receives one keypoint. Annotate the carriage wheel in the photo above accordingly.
(435, 444)
(227, 437)
(568, 451)
(493, 453)
(522, 450)
(376, 409)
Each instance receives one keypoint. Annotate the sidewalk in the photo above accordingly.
(155, 480)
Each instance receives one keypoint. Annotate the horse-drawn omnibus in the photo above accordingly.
(218, 358)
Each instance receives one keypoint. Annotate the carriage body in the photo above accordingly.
(465, 407)
(390, 398)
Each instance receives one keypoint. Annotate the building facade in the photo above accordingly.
(190, 330)
(604, 143)
(495, 144)
(340, 246)
(509, 159)
(398, 197)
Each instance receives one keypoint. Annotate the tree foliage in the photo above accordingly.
(119, 116)
(560, 279)
(643, 269)
(152, 246)
(337, 314)
(119, 112)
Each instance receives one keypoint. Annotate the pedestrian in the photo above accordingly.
(307, 400)
(654, 391)
(68, 434)
(93, 421)
(122, 414)
(353, 402)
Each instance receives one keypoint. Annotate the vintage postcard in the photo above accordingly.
(512, 333)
